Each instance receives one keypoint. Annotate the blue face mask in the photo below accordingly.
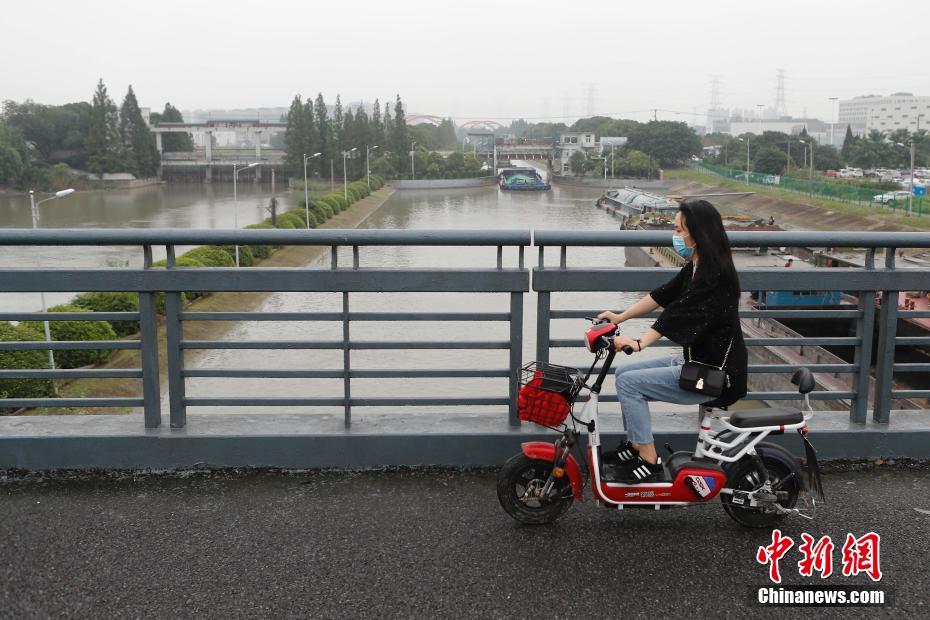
(678, 242)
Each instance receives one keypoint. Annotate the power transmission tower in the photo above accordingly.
(780, 107)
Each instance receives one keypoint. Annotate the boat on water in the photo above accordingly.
(522, 179)
(628, 202)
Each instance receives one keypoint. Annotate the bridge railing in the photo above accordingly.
(149, 282)
(871, 284)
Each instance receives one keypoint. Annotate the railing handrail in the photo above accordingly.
(738, 239)
(223, 236)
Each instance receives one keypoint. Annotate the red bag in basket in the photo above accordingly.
(535, 404)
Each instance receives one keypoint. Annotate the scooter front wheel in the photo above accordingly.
(520, 489)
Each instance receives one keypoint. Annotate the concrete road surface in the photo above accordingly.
(421, 544)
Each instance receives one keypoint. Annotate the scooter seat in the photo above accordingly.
(766, 417)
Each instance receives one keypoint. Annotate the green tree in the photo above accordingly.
(103, 137)
(849, 143)
(295, 138)
(388, 124)
(338, 126)
(671, 143)
(377, 127)
(324, 134)
(399, 140)
(13, 155)
(769, 160)
(578, 163)
(174, 142)
(138, 144)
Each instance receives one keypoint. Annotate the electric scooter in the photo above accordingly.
(759, 483)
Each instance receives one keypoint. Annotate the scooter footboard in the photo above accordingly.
(547, 452)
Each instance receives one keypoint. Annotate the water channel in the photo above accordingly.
(561, 208)
(212, 206)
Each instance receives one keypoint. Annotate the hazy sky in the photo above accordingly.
(469, 59)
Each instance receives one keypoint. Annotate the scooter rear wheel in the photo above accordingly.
(747, 477)
(517, 482)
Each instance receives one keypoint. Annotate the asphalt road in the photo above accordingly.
(419, 544)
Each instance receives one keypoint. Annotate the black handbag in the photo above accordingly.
(704, 378)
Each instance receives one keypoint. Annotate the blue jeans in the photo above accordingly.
(650, 379)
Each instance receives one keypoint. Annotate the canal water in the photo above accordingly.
(212, 206)
(485, 208)
(159, 206)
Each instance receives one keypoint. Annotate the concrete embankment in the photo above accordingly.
(445, 183)
(788, 213)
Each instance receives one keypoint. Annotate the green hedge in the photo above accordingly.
(260, 251)
(361, 188)
(291, 220)
(35, 360)
(187, 261)
(300, 212)
(327, 208)
(211, 256)
(112, 302)
(75, 330)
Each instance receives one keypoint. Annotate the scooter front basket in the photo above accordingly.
(547, 392)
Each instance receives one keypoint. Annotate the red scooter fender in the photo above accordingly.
(546, 452)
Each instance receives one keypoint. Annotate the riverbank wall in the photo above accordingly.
(444, 183)
(646, 184)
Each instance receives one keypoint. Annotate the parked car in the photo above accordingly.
(891, 196)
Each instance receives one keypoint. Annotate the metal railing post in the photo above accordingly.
(346, 360)
(865, 326)
(148, 333)
(516, 353)
(174, 333)
(884, 363)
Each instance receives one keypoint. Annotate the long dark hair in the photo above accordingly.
(706, 228)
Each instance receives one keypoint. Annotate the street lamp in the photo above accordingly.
(605, 165)
(412, 172)
(788, 161)
(810, 180)
(832, 120)
(236, 171)
(306, 193)
(746, 140)
(345, 181)
(367, 164)
(35, 224)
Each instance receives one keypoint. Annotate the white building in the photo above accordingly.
(571, 142)
(896, 111)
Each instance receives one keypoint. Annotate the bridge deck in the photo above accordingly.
(416, 544)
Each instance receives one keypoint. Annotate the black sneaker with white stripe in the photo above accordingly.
(641, 471)
(626, 452)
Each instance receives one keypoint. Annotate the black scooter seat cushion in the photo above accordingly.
(766, 417)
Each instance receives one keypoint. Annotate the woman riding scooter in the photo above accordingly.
(700, 313)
